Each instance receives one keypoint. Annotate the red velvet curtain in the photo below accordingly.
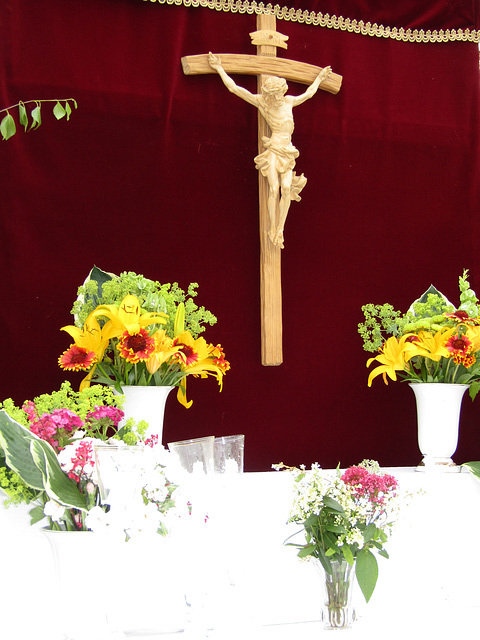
(154, 173)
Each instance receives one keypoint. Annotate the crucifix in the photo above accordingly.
(278, 183)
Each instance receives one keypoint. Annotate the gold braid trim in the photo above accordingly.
(331, 22)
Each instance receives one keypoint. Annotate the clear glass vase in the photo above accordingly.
(338, 611)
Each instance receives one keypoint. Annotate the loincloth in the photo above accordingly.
(283, 159)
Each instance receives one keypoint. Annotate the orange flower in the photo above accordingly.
(136, 347)
(77, 358)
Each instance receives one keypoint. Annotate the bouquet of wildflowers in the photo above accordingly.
(433, 342)
(47, 458)
(346, 516)
(135, 340)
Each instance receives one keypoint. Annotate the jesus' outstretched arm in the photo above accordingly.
(216, 64)
(313, 88)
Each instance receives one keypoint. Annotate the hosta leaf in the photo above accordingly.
(15, 442)
(58, 485)
(474, 467)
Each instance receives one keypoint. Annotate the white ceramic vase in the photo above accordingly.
(108, 588)
(146, 403)
(438, 417)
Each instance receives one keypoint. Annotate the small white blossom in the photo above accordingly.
(54, 510)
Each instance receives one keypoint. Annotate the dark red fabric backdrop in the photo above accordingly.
(154, 173)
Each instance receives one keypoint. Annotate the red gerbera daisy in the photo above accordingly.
(462, 316)
(461, 349)
(77, 359)
(136, 347)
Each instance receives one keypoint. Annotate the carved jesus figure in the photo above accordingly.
(278, 160)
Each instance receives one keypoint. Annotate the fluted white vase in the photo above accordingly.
(438, 418)
(146, 403)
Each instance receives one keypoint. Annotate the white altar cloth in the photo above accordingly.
(258, 589)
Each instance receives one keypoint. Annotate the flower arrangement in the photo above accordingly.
(130, 330)
(345, 516)
(432, 342)
(47, 459)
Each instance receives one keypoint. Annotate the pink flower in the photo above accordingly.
(53, 426)
(369, 485)
(78, 460)
(110, 413)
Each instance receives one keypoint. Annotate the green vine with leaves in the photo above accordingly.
(8, 128)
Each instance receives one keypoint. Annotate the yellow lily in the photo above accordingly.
(198, 359)
(473, 334)
(127, 316)
(432, 346)
(90, 337)
(393, 357)
(164, 350)
(179, 323)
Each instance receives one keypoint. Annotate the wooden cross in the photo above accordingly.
(265, 64)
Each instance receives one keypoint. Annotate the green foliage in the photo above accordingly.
(103, 288)
(425, 314)
(11, 483)
(80, 402)
(62, 109)
(468, 298)
(380, 321)
(132, 432)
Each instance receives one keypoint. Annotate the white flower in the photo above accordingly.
(96, 519)
(54, 510)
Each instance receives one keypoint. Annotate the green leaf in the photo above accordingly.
(474, 389)
(473, 467)
(305, 551)
(335, 528)
(7, 127)
(100, 278)
(36, 116)
(366, 570)
(22, 113)
(36, 514)
(58, 111)
(330, 503)
(369, 532)
(15, 441)
(68, 110)
(347, 554)
(325, 562)
(58, 485)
